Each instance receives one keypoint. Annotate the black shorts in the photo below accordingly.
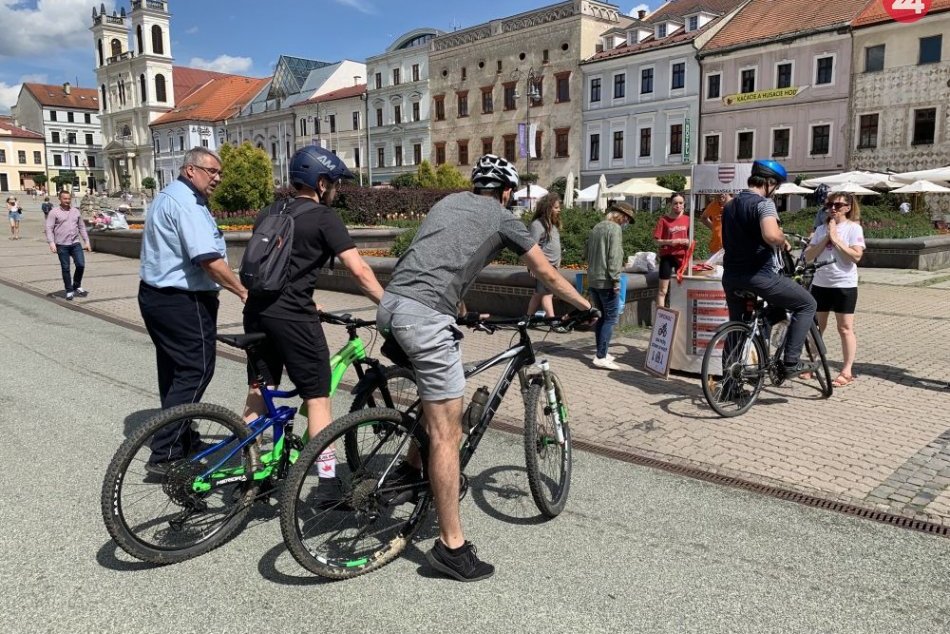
(669, 264)
(300, 346)
(836, 300)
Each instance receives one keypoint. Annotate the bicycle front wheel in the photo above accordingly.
(357, 520)
(734, 369)
(815, 352)
(159, 512)
(547, 459)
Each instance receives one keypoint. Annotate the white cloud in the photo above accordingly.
(223, 64)
(363, 6)
(54, 25)
(191, 30)
(640, 7)
(10, 92)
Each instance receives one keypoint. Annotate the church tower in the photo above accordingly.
(136, 86)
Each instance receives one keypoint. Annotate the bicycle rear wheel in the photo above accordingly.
(548, 461)
(732, 382)
(394, 387)
(357, 522)
(814, 351)
(161, 517)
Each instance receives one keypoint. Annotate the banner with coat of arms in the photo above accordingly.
(716, 178)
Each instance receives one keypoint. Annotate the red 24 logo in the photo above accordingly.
(907, 10)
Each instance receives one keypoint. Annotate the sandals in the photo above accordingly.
(842, 380)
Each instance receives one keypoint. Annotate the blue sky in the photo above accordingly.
(49, 41)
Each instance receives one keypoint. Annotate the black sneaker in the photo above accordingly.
(465, 566)
(401, 479)
(157, 469)
(787, 369)
(329, 495)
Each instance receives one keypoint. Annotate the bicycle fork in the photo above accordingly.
(558, 412)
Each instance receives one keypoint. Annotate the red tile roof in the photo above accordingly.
(676, 9)
(187, 80)
(53, 96)
(7, 130)
(765, 20)
(342, 93)
(216, 100)
(875, 13)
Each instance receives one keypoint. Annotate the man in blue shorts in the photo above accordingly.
(461, 234)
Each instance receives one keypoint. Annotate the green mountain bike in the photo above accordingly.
(177, 510)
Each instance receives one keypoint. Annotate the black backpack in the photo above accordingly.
(265, 266)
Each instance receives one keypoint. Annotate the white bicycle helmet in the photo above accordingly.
(493, 172)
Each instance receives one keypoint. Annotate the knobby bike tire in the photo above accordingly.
(178, 534)
(736, 387)
(357, 530)
(403, 392)
(815, 351)
(548, 462)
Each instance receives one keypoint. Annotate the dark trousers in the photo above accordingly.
(780, 291)
(74, 251)
(182, 326)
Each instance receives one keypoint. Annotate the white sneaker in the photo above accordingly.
(81, 292)
(69, 296)
(609, 357)
(606, 363)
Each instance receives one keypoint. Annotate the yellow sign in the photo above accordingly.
(762, 95)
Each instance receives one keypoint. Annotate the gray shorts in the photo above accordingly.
(431, 340)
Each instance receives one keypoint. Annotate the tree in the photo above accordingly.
(246, 182)
(39, 179)
(448, 177)
(528, 177)
(149, 183)
(125, 181)
(425, 175)
(676, 182)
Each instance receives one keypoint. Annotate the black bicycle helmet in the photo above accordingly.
(493, 172)
(310, 163)
(770, 169)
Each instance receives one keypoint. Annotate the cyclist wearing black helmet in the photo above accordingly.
(460, 235)
(753, 240)
(295, 337)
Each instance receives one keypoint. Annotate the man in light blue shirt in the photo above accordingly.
(183, 266)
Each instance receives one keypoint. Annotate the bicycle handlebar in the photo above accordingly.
(475, 320)
(344, 319)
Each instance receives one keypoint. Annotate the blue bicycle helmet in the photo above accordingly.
(770, 169)
(310, 163)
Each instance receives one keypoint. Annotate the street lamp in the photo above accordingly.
(533, 94)
(367, 159)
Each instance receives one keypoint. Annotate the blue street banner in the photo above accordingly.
(522, 141)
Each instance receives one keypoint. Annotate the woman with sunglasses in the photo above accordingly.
(835, 286)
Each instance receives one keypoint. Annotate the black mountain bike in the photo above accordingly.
(742, 354)
(375, 517)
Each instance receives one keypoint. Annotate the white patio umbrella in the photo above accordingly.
(852, 188)
(601, 203)
(922, 187)
(938, 174)
(589, 194)
(569, 191)
(640, 187)
(536, 192)
(858, 177)
(792, 188)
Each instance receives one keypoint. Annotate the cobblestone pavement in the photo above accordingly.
(882, 442)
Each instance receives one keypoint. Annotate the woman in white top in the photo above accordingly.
(835, 286)
(13, 215)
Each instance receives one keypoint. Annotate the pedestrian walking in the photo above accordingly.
(14, 213)
(64, 230)
(183, 266)
(47, 206)
(604, 255)
(545, 229)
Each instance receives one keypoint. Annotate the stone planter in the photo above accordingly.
(930, 253)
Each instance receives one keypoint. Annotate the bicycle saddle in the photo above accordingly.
(744, 294)
(242, 341)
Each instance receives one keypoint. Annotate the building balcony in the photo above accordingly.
(156, 5)
(121, 57)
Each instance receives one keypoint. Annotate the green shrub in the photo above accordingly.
(881, 221)
(402, 242)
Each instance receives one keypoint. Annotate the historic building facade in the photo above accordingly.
(336, 121)
(21, 156)
(68, 118)
(516, 75)
(776, 84)
(641, 93)
(399, 105)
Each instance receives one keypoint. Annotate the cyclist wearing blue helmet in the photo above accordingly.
(753, 240)
(295, 337)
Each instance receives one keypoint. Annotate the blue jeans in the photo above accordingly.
(74, 251)
(607, 301)
(780, 291)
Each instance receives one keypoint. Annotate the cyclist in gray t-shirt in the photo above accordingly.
(461, 234)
